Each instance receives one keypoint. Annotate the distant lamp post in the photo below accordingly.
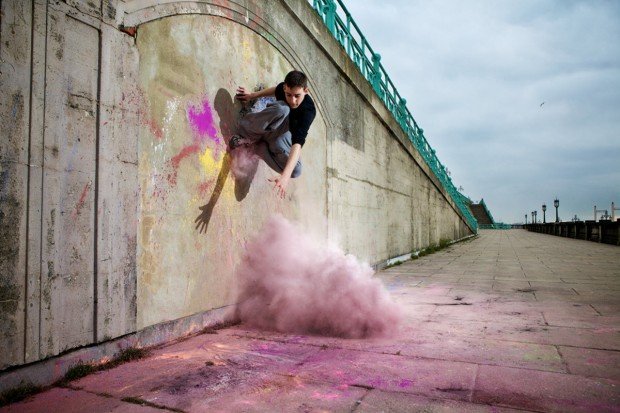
(544, 207)
(533, 221)
(556, 204)
(536, 217)
(525, 219)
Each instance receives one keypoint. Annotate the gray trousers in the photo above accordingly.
(268, 131)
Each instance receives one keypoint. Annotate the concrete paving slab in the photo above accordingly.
(545, 391)
(434, 378)
(284, 394)
(75, 401)
(382, 401)
(208, 363)
(592, 362)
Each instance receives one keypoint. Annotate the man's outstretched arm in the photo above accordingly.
(245, 96)
(281, 182)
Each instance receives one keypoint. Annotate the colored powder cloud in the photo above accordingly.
(201, 120)
(290, 282)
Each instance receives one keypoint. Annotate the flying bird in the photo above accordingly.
(542, 104)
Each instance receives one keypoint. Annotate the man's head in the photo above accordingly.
(295, 88)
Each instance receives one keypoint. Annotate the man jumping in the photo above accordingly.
(279, 131)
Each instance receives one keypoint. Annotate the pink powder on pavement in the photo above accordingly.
(290, 282)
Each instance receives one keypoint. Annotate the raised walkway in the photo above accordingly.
(509, 321)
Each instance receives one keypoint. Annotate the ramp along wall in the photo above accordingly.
(114, 119)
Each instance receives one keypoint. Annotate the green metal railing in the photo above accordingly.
(497, 225)
(348, 34)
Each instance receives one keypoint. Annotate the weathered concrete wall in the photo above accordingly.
(113, 143)
(184, 165)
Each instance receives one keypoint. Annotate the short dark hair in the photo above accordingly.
(296, 78)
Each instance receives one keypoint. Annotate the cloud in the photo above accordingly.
(475, 74)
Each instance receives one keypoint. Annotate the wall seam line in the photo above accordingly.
(43, 174)
(96, 200)
(32, 19)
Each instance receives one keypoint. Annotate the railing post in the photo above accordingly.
(330, 15)
(376, 74)
(402, 114)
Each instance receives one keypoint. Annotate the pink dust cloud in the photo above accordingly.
(201, 120)
(290, 282)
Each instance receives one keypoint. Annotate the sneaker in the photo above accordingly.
(237, 141)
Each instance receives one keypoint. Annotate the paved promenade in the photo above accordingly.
(509, 321)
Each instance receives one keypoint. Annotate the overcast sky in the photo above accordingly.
(475, 74)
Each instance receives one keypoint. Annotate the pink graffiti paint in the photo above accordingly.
(153, 127)
(80, 203)
(201, 120)
(176, 161)
(290, 282)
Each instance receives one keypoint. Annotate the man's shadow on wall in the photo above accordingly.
(229, 112)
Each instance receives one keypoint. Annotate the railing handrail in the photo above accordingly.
(373, 71)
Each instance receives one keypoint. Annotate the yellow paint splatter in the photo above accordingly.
(209, 163)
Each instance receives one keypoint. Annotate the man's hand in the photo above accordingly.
(279, 185)
(243, 95)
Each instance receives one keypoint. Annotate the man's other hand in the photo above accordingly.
(279, 185)
(243, 95)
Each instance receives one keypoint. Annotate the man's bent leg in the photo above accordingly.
(273, 120)
(276, 153)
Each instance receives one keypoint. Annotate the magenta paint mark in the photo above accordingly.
(176, 160)
(201, 120)
(405, 383)
(80, 202)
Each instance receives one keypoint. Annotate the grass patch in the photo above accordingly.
(392, 265)
(130, 354)
(18, 393)
(432, 248)
(78, 371)
(84, 369)
(443, 243)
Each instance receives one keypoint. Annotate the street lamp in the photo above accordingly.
(556, 204)
(525, 219)
(544, 207)
(536, 217)
(533, 221)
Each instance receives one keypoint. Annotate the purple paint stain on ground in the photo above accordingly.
(405, 383)
(201, 120)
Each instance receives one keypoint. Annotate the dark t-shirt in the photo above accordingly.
(300, 119)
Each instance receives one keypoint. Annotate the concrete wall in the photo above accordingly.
(103, 169)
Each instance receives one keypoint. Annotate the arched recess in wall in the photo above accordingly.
(134, 13)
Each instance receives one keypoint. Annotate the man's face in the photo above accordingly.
(295, 95)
